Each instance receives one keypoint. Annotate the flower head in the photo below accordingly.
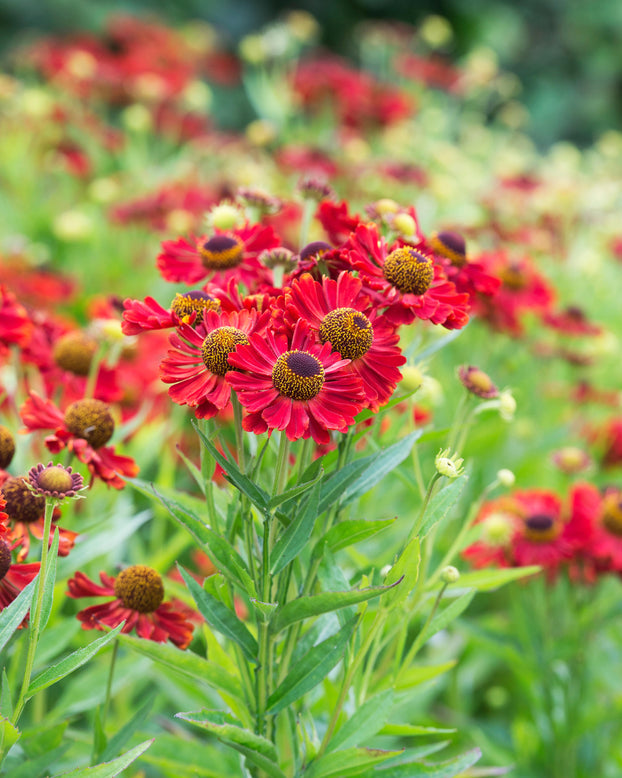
(7, 447)
(55, 481)
(477, 382)
(449, 466)
(138, 599)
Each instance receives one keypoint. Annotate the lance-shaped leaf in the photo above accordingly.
(304, 607)
(234, 475)
(347, 533)
(297, 535)
(257, 749)
(13, 615)
(187, 663)
(293, 492)
(311, 668)
(441, 503)
(443, 619)
(70, 663)
(48, 589)
(138, 720)
(447, 769)
(9, 734)
(487, 580)
(333, 485)
(406, 567)
(220, 618)
(365, 723)
(350, 763)
(109, 769)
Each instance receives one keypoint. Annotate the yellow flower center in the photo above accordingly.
(194, 302)
(91, 420)
(513, 277)
(409, 270)
(450, 245)
(222, 252)
(218, 345)
(348, 331)
(140, 588)
(298, 374)
(612, 513)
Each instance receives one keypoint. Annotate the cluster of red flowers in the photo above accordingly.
(582, 532)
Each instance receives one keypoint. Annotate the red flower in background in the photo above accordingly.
(13, 577)
(15, 324)
(138, 594)
(295, 385)
(339, 314)
(187, 307)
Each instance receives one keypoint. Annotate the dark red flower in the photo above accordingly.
(468, 275)
(219, 256)
(339, 314)
(605, 547)
(84, 428)
(571, 321)
(138, 594)
(15, 324)
(295, 385)
(14, 577)
(150, 315)
(197, 364)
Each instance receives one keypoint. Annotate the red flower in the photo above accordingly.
(294, 384)
(84, 428)
(220, 256)
(339, 314)
(13, 577)
(197, 364)
(571, 321)
(138, 594)
(337, 221)
(150, 315)
(465, 273)
(605, 546)
(406, 280)
(15, 325)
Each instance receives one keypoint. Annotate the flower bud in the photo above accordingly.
(224, 216)
(450, 574)
(450, 467)
(405, 224)
(507, 405)
(506, 478)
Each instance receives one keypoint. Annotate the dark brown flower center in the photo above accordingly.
(140, 588)
(221, 252)
(409, 270)
(194, 302)
(7, 447)
(91, 420)
(541, 528)
(21, 503)
(513, 277)
(612, 513)
(74, 352)
(298, 374)
(5, 559)
(218, 345)
(450, 245)
(348, 331)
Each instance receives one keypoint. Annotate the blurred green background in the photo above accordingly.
(567, 53)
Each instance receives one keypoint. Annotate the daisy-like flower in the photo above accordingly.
(219, 256)
(15, 324)
(186, 308)
(85, 428)
(138, 599)
(25, 510)
(339, 314)
(604, 549)
(477, 382)
(197, 364)
(55, 481)
(468, 275)
(406, 280)
(572, 320)
(295, 385)
(13, 577)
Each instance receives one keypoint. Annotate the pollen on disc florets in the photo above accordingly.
(612, 512)
(91, 420)
(222, 252)
(74, 352)
(140, 588)
(298, 375)
(218, 345)
(450, 245)
(184, 305)
(348, 331)
(409, 270)
(541, 528)
(21, 504)
(7, 447)
(5, 558)
(55, 481)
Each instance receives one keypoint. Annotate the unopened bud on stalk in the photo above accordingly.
(450, 574)
(405, 224)
(412, 378)
(507, 405)
(450, 467)
(506, 478)
(224, 216)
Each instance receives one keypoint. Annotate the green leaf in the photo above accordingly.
(226, 558)
(48, 589)
(410, 677)
(220, 618)
(380, 466)
(406, 567)
(297, 535)
(32, 768)
(304, 607)
(351, 763)
(192, 469)
(186, 663)
(365, 723)
(311, 668)
(176, 757)
(440, 504)
(347, 533)
(333, 485)
(42, 739)
(109, 769)
(487, 580)
(6, 704)
(256, 748)
(443, 619)
(448, 769)
(234, 475)
(121, 737)
(70, 663)
(13, 615)
(184, 516)
(9, 735)
(411, 730)
(293, 492)
(265, 609)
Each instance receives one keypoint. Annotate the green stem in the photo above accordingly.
(113, 659)
(239, 431)
(308, 209)
(33, 637)
(428, 496)
(417, 643)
